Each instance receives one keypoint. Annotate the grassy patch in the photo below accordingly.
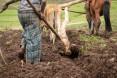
(91, 38)
(92, 42)
(9, 18)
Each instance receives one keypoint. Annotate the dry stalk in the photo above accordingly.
(3, 57)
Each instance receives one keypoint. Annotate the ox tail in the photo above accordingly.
(106, 12)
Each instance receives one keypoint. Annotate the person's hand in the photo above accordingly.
(5, 6)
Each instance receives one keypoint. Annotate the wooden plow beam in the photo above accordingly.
(75, 11)
(71, 3)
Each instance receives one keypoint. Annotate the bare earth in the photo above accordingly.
(95, 63)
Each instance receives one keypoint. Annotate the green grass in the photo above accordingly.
(114, 14)
(76, 20)
(9, 18)
(92, 41)
(74, 17)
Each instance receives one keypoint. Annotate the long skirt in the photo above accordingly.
(31, 36)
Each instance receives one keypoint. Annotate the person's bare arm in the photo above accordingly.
(5, 6)
(43, 5)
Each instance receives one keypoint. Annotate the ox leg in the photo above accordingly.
(99, 24)
(96, 23)
(63, 34)
(52, 35)
(91, 29)
(58, 19)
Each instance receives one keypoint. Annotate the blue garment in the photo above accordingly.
(31, 36)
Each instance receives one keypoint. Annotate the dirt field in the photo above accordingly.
(93, 63)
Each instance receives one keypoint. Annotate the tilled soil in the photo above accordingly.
(93, 63)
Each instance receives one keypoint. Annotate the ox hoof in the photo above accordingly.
(88, 32)
(68, 53)
(107, 34)
(74, 51)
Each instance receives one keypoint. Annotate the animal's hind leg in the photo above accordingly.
(52, 35)
(97, 27)
(99, 24)
(62, 32)
(58, 16)
(96, 23)
(92, 27)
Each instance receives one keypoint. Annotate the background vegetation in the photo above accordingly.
(9, 19)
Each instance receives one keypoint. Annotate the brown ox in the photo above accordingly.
(96, 9)
(53, 14)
